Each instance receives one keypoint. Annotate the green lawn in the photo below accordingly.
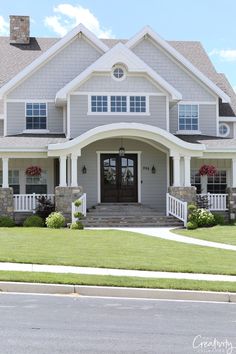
(222, 234)
(132, 282)
(111, 249)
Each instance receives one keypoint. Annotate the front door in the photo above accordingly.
(118, 178)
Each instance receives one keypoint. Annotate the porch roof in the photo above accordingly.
(210, 142)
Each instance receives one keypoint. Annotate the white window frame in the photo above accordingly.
(96, 102)
(228, 130)
(38, 131)
(147, 113)
(117, 66)
(182, 131)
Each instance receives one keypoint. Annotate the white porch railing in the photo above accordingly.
(82, 208)
(28, 202)
(177, 208)
(216, 201)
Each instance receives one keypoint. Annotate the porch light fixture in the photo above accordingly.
(121, 149)
(153, 169)
(84, 170)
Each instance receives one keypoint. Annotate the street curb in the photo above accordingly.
(122, 292)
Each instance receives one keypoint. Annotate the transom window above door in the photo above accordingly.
(188, 117)
(118, 104)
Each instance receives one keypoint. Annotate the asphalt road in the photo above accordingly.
(32, 324)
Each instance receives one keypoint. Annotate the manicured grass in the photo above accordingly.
(101, 280)
(222, 234)
(111, 249)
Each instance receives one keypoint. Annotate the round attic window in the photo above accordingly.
(118, 73)
(224, 129)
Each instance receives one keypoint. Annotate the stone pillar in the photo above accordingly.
(232, 203)
(5, 172)
(186, 194)
(74, 170)
(187, 175)
(63, 171)
(176, 172)
(6, 202)
(64, 196)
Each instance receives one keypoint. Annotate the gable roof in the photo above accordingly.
(179, 57)
(50, 52)
(118, 54)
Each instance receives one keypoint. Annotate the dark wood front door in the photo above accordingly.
(119, 178)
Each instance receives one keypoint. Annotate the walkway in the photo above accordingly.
(165, 233)
(114, 272)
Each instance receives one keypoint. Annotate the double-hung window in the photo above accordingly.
(118, 104)
(138, 104)
(36, 184)
(188, 117)
(217, 183)
(98, 103)
(13, 180)
(36, 116)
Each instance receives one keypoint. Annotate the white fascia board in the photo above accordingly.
(50, 52)
(227, 119)
(119, 53)
(149, 31)
(135, 129)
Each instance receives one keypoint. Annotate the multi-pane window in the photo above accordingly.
(137, 104)
(13, 180)
(217, 183)
(36, 116)
(224, 129)
(188, 117)
(99, 103)
(118, 104)
(196, 180)
(37, 184)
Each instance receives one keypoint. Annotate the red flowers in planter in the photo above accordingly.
(207, 170)
(33, 171)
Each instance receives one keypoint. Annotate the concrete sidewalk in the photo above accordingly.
(113, 272)
(165, 233)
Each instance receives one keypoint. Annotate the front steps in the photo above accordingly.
(128, 215)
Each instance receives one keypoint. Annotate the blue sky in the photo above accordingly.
(210, 21)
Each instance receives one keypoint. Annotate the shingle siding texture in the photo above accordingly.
(171, 72)
(1, 127)
(82, 122)
(60, 70)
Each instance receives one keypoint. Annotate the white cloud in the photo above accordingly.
(4, 27)
(68, 16)
(224, 54)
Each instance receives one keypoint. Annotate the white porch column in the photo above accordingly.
(187, 177)
(63, 171)
(5, 172)
(176, 172)
(234, 173)
(74, 170)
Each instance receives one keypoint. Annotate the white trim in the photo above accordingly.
(43, 58)
(198, 102)
(228, 130)
(227, 119)
(217, 119)
(36, 131)
(139, 187)
(179, 57)
(111, 93)
(118, 66)
(1, 116)
(90, 113)
(188, 132)
(167, 114)
(39, 131)
(68, 118)
(5, 116)
(105, 63)
(64, 118)
(30, 100)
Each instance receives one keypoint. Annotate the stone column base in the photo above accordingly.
(64, 196)
(232, 203)
(6, 202)
(186, 194)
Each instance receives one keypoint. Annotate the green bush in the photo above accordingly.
(33, 221)
(77, 226)
(78, 215)
(202, 217)
(55, 220)
(191, 225)
(192, 208)
(77, 203)
(219, 219)
(6, 221)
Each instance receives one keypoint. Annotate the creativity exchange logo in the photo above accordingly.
(212, 345)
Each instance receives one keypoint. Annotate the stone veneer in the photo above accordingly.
(232, 203)
(186, 194)
(6, 202)
(19, 29)
(64, 196)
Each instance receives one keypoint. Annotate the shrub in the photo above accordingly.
(45, 207)
(202, 217)
(77, 202)
(77, 226)
(55, 220)
(78, 215)
(33, 221)
(6, 221)
(192, 208)
(219, 219)
(191, 225)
